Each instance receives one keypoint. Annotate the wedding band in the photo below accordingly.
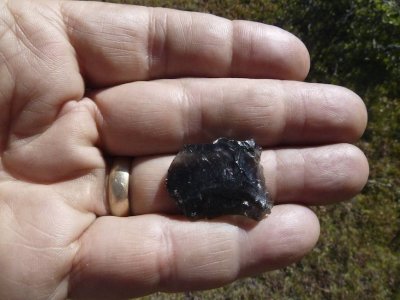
(118, 187)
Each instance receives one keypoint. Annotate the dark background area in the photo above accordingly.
(355, 44)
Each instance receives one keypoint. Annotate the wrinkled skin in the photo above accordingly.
(83, 81)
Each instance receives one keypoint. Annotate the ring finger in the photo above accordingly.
(317, 175)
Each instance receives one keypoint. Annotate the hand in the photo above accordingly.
(84, 81)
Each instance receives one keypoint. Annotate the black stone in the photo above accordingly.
(222, 178)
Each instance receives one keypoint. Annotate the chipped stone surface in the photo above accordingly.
(222, 178)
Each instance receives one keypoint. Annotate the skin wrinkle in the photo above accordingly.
(181, 31)
(192, 112)
(167, 267)
(278, 107)
(69, 30)
(6, 211)
(303, 171)
(124, 39)
(150, 40)
(4, 134)
(99, 121)
(223, 105)
(8, 106)
(278, 180)
(281, 163)
(331, 108)
(15, 150)
(217, 245)
(195, 113)
(321, 164)
(269, 107)
(219, 113)
(231, 52)
(273, 190)
(56, 17)
(345, 180)
(185, 103)
(166, 49)
(22, 36)
(235, 268)
(236, 27)
(303, 112)
(186, 30)
(165, 53)
(64, 20)
(247, 254)
(159, 52)
(114, 31)
(75, 266)
(41, 249)
(53, 222)
(26, 40)
(76, 204)
(15, 134)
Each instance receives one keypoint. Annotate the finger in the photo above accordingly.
(144, 118)
(311, 176)
(120, 44)
(127, 257)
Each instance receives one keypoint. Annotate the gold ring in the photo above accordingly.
(118, 187)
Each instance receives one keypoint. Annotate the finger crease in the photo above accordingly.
(303, 171)
(167, 268)
(150, 41)
(157, 48)
(285, 111)
(275, 192)
(186, 104)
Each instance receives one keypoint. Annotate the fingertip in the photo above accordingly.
(310, 231)
(266, 51)
(299, 230)
(362, 115)
(340, 173)
(305, 61)
(299, 58)
(355, 164)
(357, 121)
(365, 167)
(335, 112)
(286, 235)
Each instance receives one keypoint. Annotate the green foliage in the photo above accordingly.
(356, 44)
(353, 43)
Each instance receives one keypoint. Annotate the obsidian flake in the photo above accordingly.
(222, 178)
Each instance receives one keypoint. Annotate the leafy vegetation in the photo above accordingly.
(356, 44)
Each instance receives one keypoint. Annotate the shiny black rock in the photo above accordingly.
(222, 178)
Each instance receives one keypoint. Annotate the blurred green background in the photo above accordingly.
(355, 44)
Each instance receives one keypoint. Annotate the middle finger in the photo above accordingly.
(148, 118)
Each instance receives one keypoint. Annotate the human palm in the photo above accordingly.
(83, 82)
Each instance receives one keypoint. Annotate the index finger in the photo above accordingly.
(123, 43)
